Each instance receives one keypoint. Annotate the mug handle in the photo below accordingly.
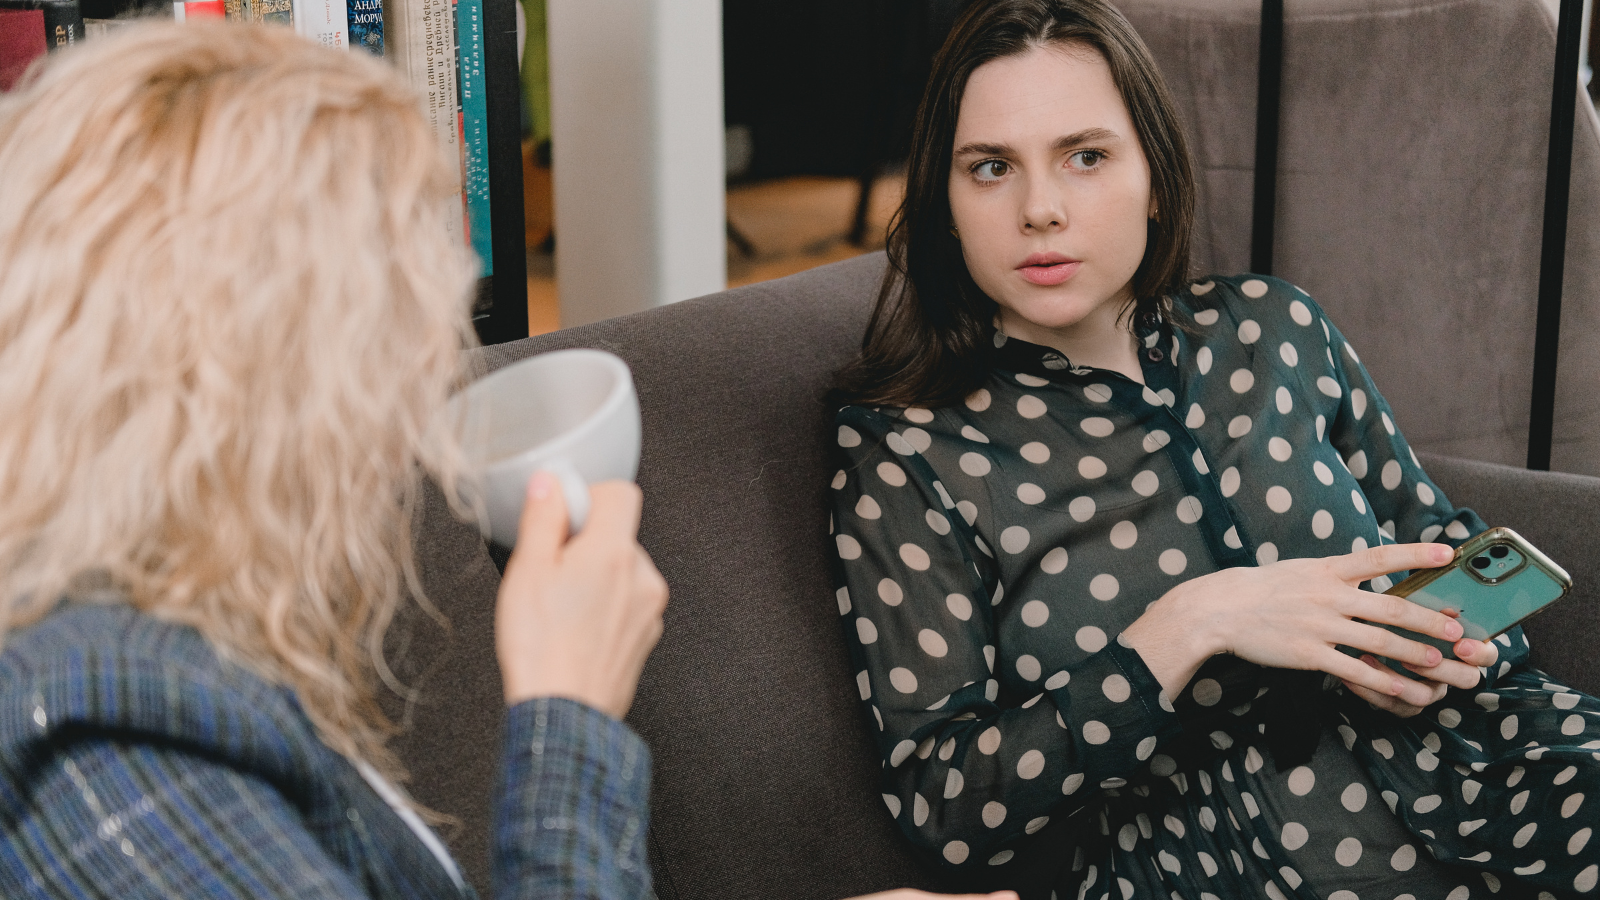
(574, 489)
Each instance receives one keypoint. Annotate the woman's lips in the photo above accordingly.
(1049, 272)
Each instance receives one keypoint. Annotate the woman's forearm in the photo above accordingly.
(1172, 639)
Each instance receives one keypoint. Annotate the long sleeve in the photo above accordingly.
(972, 760)
(1406, 503)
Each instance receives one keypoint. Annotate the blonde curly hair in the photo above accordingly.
(229, 309)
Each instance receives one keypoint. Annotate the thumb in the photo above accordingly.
(542, 531)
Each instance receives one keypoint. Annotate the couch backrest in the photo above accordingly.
(1410, 197)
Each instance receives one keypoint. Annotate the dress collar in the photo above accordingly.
(1017, 355)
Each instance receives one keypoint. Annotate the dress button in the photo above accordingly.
(1155, 354)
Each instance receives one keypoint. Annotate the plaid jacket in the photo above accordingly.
(135, 764)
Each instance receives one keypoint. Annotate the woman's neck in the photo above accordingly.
(1101, 340)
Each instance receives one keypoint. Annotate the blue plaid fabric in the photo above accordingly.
(135, 764)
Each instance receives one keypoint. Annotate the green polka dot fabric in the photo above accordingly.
(991, 553)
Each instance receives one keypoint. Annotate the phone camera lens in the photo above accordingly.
(1480, 563)
(1499, 551)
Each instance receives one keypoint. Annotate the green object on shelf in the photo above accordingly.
(536, 69)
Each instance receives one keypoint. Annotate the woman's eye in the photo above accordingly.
(1088, 159)
(990, 169)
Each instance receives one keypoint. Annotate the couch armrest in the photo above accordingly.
(1557, 512)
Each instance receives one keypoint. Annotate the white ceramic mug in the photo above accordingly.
(572, 413)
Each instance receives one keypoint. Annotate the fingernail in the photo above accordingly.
(1453, 629)
(542, 484)
(1396, 687)
(1434, 657)
(1442, 553)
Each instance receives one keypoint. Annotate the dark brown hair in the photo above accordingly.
(927, 343)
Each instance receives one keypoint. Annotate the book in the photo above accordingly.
(31, 28)
(325, 21)
(421, 43)
(183, 10)
(366, 25)
(475, 131)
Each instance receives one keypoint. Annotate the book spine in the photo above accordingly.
(422, 45)
(325, 21)
(21, 42)
(475, 131)
(366, 25)
(275, 12)
(237, 9)
(183, 10)
(63, 24)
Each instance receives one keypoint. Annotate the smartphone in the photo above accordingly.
(1496, 581)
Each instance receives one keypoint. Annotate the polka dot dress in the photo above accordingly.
(991, 554)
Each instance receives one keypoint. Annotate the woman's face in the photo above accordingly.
(1050, 192)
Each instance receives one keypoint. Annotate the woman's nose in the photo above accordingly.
(1043, 207)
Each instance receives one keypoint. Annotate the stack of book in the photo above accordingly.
(437, 44)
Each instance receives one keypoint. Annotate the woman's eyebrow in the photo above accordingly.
(981, 149)
(1065, 142)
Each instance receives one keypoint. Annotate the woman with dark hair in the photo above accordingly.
(1104, 534)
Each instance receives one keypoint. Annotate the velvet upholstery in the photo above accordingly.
(764, 782)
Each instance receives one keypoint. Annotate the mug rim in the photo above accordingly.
(616, 396)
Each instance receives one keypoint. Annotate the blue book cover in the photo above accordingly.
(474, 129)
(366, 25)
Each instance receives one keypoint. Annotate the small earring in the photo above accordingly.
(954, 233)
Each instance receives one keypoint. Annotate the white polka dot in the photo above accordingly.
(1231, 538)
(1097, 393)
(864, 685)
(1202, 359)
(1207, 692)
(1279, 449)
(975, 464)
(899, 755)
(1173, 562)
(1072, 783)
(1116, 688)
(903, 680)
(978, 400)
(1001, 858)
(1358, 402)
(1302, 780)
(971, 434)
(959, 606)
(1348, 853)
(1200, 462)
(1030, 765)
(932, 643)
(1587, 879)
(937, 522)
(899, 444)
(1388, 423)
(1279, 499)
(914, 556)
(1249, 331)
(1054, 561)
(1028, 667)
(839, 480)
(867, 508)
(1091, 467)
(968, 510)
(1090, 638)
(1403, 858)
(1289, 355)
(1189, 510)
(843, 596)
(1057, 681)
(1322, 524)
(1103, 587)
(1457, 530)
(1124, 535)
(1240, 426)
(1329, 387)
(1358, 545)
(1096, 426)
(1081, 509)
(1579, 840)
(1564, 701)
(849, 437)
(1155, 440)
(1152, 398)
(1360, 503)
(1035, 613)
(1354, 797)
(1391, 474)
(1357, 464)
(1230, 482)
(956, 852)
(1029, 380)
(1195, 419)
(1267, 554)
(1030, 494)
(1300, 313)
(849, 547)
(1425, 493)
(944, 496)
(1030, 407)
(1146, 483)
(1035, 452)
(994, 813)
(892, 474)
(866, 631)
(1255, 289)
(919, 440)
(1322, 424)
(1323, 473)
(889, 592)
(1293, 836)
(1242, 380)
(1014, 539)
(918, 415)
(1096, 732)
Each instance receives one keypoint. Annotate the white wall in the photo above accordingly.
(636, 115)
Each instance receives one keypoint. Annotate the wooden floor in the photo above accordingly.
(792, 224)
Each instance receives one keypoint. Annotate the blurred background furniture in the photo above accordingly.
(765, 785)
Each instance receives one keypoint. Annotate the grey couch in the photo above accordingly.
(765, 783)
